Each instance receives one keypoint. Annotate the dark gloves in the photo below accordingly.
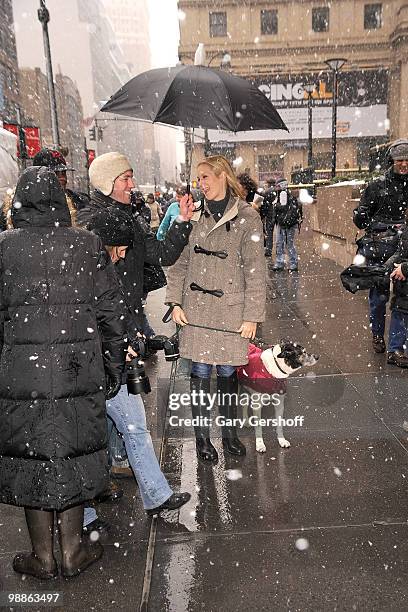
(361, 218)
(114, 365)
(113, 386)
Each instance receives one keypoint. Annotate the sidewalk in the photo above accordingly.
(318, 526)
(321, 525)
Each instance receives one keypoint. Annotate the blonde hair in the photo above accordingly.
(218, 164)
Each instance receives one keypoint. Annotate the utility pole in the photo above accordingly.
(335, 66)
(309, 89)
(21, 139)
(44, 17)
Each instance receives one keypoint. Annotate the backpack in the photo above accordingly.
(290, 214)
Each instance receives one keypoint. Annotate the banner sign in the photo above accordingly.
(361, 106)
(31, 137)
(355, 88)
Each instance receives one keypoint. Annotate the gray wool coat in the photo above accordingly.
(241, 277)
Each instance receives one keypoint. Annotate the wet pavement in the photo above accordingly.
(319, 526)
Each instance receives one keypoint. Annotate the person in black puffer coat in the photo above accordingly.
(111, 175)
(56, 294)
(383, 205)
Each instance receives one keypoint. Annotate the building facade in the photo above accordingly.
(9, 98)
(130, 23)
(85, 48)
(34, 101)
(283, 45)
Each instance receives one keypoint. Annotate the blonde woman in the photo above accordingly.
(218, 282)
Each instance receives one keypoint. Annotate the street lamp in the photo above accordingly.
(225, 61)
(309, 89)
(335, 66)
(44, 17)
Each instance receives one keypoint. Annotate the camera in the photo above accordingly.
(169, 345)
(136, 380)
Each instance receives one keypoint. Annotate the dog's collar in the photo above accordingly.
(276, 368)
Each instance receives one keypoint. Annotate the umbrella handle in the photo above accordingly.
(188, 189)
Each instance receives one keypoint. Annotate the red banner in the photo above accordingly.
(32, 138)
(91, 156)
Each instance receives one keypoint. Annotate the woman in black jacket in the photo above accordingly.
(56, 293)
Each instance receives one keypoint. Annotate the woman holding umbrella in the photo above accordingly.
(218, 283)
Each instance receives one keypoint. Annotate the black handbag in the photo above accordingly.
(378, 245)
(153, 278)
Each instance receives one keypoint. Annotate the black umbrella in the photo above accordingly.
(196, 97)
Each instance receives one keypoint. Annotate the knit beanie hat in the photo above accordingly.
(113, 226)
(399, 150)
(281, 183)
(106, 168)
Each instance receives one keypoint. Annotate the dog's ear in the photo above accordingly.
(286, 352)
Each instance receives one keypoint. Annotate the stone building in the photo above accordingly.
(35, 103)
(283, 45)
(9, 99)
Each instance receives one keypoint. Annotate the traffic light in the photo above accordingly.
(100, 134)
(92, 133)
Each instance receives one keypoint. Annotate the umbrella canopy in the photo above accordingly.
(196, 97)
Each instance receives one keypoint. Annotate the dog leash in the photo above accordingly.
(257, 341)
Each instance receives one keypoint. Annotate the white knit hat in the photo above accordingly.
(106, 168)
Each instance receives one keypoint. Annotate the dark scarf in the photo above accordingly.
(217, 207)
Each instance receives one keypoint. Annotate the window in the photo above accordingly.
(372, 16)
(269, 22)
(218, 24)
(320, 19)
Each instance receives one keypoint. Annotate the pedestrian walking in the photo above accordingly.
(55, 371)
(171, 215)
(381, 212)
(267, 212)
(218, 282)
(288, 218)
(156, 212)
(139, 206)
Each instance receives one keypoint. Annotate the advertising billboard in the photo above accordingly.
(361, 106)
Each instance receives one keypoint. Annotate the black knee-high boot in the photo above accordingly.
(76, 555)
(227, 406)
(41, 561)
(199, 409)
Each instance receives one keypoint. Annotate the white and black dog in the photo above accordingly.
(266, 373)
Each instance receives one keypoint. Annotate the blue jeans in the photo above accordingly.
(398, 331)
(89, 515)
(286, 237)
(128, 414)
(116, 446)
(203, 370)
(377, 300)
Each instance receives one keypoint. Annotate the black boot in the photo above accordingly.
(40, 563)
(205, 450)
(76, 556)
(228, 397)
